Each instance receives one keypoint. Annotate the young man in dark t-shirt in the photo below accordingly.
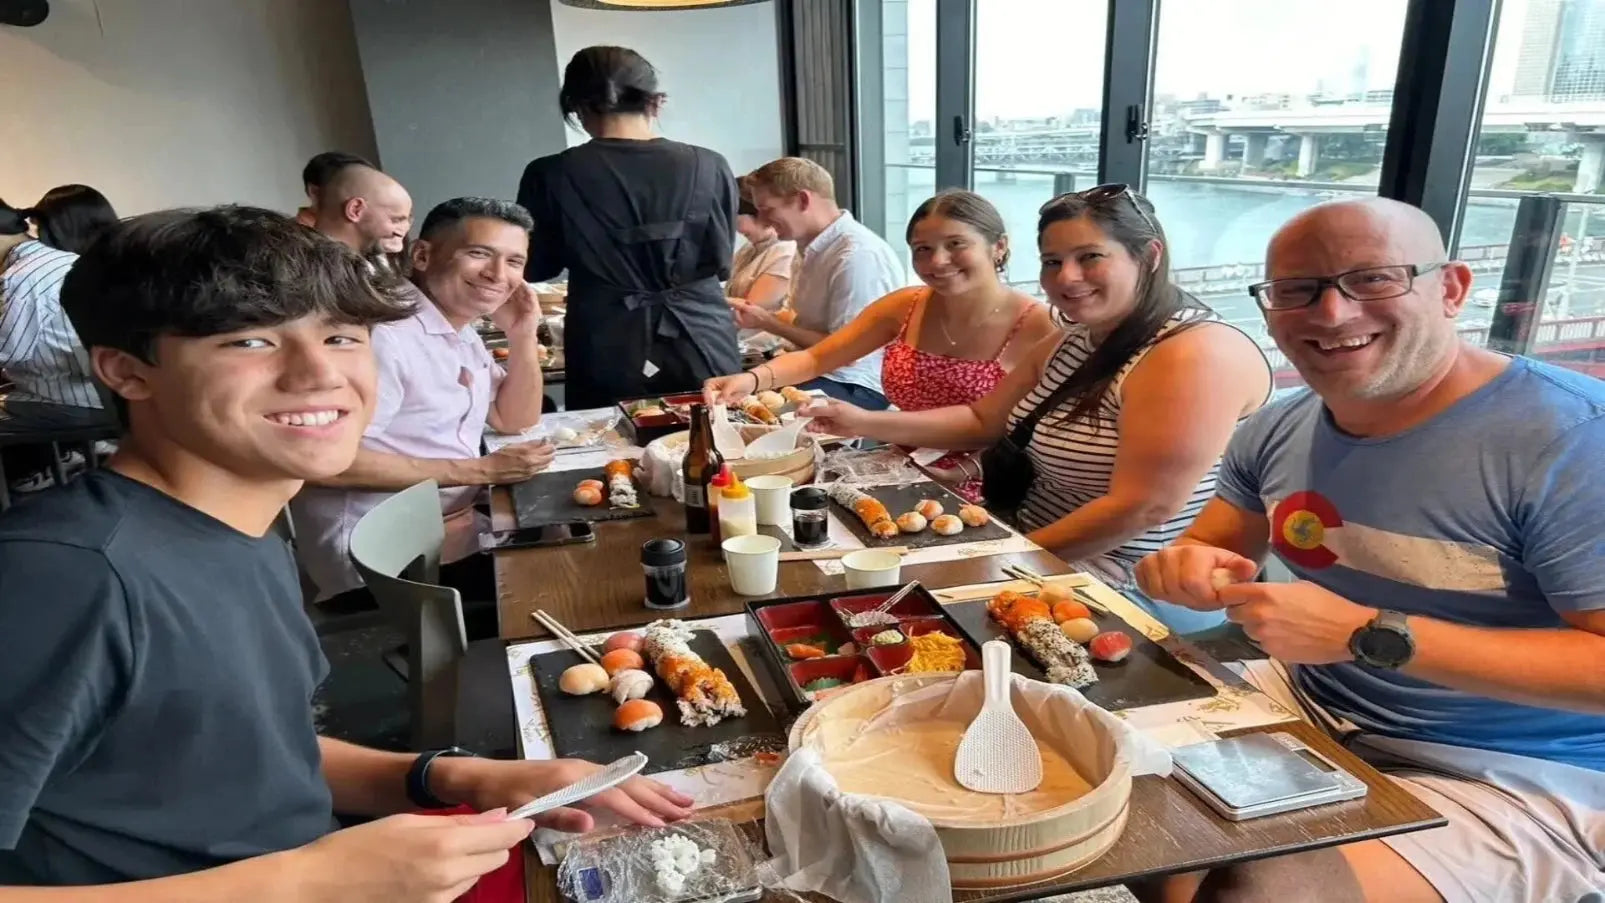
(156, 669)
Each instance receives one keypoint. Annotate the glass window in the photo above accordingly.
(908, 64)
(1036, 126)
(1542, 131)
(1251, 123)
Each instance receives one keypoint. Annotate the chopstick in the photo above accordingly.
(828, 554)
(567, 636)
(1030, 576)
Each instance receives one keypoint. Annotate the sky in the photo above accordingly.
(1045, 57)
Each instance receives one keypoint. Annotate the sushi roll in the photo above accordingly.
(587, 496)
(947, 525)
(774, 401)
(621, 488)
(1065, 662)
(704, 694)
(930, 509)
(794, 395)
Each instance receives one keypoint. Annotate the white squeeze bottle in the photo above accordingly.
(738, 510)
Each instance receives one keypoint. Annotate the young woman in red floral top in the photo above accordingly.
(949, 341)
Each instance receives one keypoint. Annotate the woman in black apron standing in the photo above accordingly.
(645, 227)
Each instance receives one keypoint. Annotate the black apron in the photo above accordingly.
(667, 332)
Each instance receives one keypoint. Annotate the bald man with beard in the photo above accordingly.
(1441, 508)
(365, 210)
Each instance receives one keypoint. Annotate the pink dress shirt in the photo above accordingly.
(435, 389)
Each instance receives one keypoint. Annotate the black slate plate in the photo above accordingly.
(582, 726)
(901, 500)
(548, 498)
(1148, 676)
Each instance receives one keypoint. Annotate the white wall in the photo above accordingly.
(163, 103)
(720, 68)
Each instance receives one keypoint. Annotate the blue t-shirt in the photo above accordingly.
(1491, 514)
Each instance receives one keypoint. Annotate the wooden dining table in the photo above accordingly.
(1169, 831)
(600, 585)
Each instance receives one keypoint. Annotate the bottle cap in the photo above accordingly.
(810, 498)
(736, 489)
(662, 552)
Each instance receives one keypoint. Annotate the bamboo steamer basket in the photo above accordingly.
(798, 464)
(1033, 848)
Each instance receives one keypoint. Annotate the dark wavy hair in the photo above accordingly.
(965, 207)
(209, 272)
(1129, 220)
(604, 80)
(69, 217)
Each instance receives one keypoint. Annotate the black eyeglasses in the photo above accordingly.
(1103, 195)
(1366, 284)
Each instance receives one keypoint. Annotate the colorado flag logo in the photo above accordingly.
(1299, 525)
(1307, 531)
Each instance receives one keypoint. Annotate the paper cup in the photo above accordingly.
(773, 495)
(753, 562)
(871, 567)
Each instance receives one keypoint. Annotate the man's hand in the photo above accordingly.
(483, 783)
(514, 463)
(1297, 623)
(751, 316)
(407, 858)
(1185, 574)
(520, 315)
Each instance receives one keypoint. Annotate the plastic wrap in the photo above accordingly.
(618, 867)
(875, 467)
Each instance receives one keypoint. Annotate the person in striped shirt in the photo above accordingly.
(39, 350)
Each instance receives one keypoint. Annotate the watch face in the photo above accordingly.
(1386, 648)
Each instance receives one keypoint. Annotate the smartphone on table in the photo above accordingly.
(537, 537)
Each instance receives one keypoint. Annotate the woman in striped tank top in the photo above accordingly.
(1139, 396)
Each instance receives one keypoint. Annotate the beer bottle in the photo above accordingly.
(702, 463)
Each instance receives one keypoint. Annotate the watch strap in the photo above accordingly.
(418, 777)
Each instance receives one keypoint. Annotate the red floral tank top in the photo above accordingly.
(917, 380)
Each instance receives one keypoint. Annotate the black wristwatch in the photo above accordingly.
(1385, 642)
(418, 777)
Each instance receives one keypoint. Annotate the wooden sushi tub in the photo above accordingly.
(1011, 851)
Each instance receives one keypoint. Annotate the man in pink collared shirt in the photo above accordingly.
(438, 389)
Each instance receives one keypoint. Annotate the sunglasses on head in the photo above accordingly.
(1103, 196)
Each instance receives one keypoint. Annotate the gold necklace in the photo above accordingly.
(942, 324)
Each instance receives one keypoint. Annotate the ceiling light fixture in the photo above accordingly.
(655, 5)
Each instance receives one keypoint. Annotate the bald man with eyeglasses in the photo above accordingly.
(1441, 506)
